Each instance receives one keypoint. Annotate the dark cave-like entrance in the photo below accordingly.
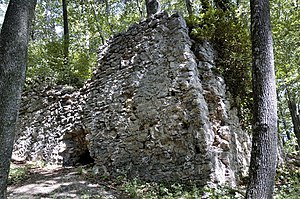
(76, 151)
(85, 158)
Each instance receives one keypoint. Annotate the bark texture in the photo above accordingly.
(264, 143)
(294, 111)
(66, 32)
(13, 56)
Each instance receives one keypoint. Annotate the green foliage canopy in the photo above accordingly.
(286, 26)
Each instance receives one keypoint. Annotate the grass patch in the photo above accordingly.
(18, 173)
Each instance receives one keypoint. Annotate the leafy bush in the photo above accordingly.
(46, 64)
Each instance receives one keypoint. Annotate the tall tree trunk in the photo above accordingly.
(282, 116)
(66, 32)
(152, 7)
(294, 111)
(13, 56)
(222, 4)
(264, 143)
(280, 149)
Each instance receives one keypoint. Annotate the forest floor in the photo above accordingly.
(58, 182)
(33, 181)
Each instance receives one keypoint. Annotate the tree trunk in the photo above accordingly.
(294, 111)
(222, 4)
(264, 143)
(13, 56)
(280, 149)
(152, 7)
(283, 121)
(66, 33)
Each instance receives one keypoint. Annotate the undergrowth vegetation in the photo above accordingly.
(18, 173)
(288, 180)
(287, 184)
(155, 190)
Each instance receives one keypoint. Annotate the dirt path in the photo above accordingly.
(61, 183)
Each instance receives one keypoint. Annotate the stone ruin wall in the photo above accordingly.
(151, 111)
(50, 126)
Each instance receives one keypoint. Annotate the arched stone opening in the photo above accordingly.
(76, 150)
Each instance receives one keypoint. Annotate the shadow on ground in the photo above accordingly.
(60, 183)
